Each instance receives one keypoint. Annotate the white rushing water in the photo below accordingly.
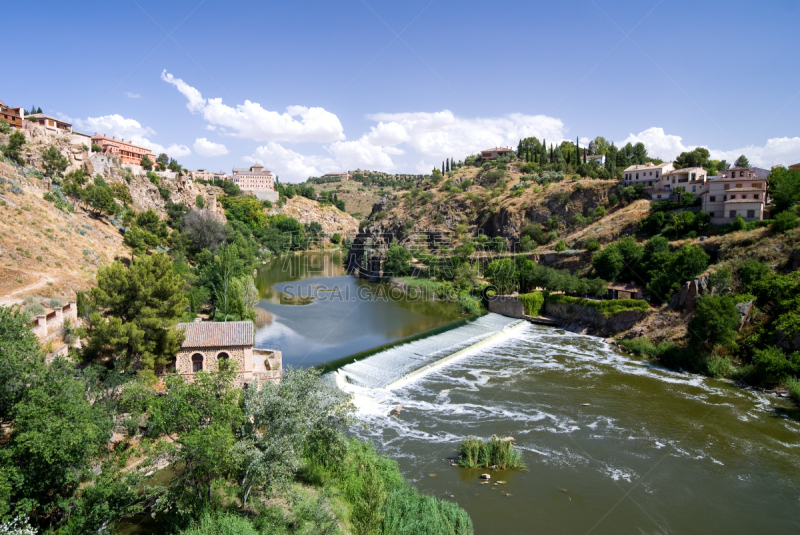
(592, 423)
(399, 364)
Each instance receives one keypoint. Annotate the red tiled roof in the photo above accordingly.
(217, 334)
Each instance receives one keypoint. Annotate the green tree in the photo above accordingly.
(619, 261)
(19, 354)
(336, 239)
(784, 189)
(283, 423)
(397, 261)
(53, 161)
(699, 157)
(146, 163)
(715, 321)
(200, 201)
(5, 128)
(140, 306)
(503, 275)
(784, 221)
(741, 161)
(674, 269)
(13, 151)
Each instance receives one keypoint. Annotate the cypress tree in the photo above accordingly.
(442, 167)
(551, 153)
(448, 165)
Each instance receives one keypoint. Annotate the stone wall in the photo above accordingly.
(48, 326)
(507, 305)
(587, 320)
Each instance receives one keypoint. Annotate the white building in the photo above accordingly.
(257, 180)
(739, 192)
(648, 174)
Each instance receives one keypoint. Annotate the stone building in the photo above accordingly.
(344, 175)
(129, 153)
(207, 343)
(257, 180)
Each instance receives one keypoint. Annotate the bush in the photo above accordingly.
(784, 221)
(495, 453)
(607, 308)
(738, 224)
(592, 245)
(561, 246)
(96, 148)
(772, 365)
(715, 321)
(222, 524)
(200, 201)
(532, 302)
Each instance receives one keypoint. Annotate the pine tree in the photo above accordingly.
(442, 167)
(551, 153)
(448, 165)
(38, 110)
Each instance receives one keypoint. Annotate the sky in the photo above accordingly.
(307, 88)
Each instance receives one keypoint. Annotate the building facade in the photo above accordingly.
(649, 174)
(51, 124)
(254, 178)
(208, 343)
(13, 116)
(345, 176)
(599, 158)
(491, 154)
(739, 192)
(129, 153)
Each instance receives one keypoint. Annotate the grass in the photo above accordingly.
(605, 307)
(494, 453)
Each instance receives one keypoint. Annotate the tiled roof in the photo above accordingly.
(684, 170)
(217, 334)
(498, 149)
(734, 190)
(646, 167)
(748, 201)
(45, 116)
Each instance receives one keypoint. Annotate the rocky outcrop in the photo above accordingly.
(684, 298)
(332, 219)
(585, 320)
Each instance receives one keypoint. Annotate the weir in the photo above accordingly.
(401, 363)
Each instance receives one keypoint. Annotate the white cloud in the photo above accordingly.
(123, 128)
(777, 151)
(251, 121)
(204, 147)
(659, 145)
(132, 95)
(176, 151)
(782, 150)
(442, 134)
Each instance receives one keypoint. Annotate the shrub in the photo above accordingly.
(532, 302)
(495, 453)
(715, 321)
(336, 238)
(5, 128)
(200, 201)
(784, 221)
(96, 148)
(738, 224)
(607, 308)
(561, 246)
(592, 245)
(772, 365)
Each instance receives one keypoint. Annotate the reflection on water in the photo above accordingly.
(613, 444)
(340, 315)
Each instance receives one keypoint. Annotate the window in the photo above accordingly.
(711, 214)
(733, 197)
(738, 185)
(197, 362)
(755, 196)
(751, 213)
(656, 174)
(732, 213)
(713, 198)
(727, 186)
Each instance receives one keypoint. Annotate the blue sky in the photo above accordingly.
(313, 87)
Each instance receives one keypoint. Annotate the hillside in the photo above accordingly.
(358, 198)
(331, 219)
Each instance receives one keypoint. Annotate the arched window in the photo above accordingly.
(197, 362)
(223, 355)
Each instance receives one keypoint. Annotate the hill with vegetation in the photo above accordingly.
(557, 224)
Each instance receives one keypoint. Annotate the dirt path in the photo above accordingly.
(16, 296)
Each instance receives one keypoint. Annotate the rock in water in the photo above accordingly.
(486, 476)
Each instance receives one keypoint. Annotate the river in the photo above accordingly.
(613, 444)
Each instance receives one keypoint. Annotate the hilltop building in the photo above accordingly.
(599, 158)
(491, 154)
(208, 343)
(257, 180)
(13, 116)
(51, 124)
(345, 175)
(129, 153)
(739, 192)
(648, 174)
